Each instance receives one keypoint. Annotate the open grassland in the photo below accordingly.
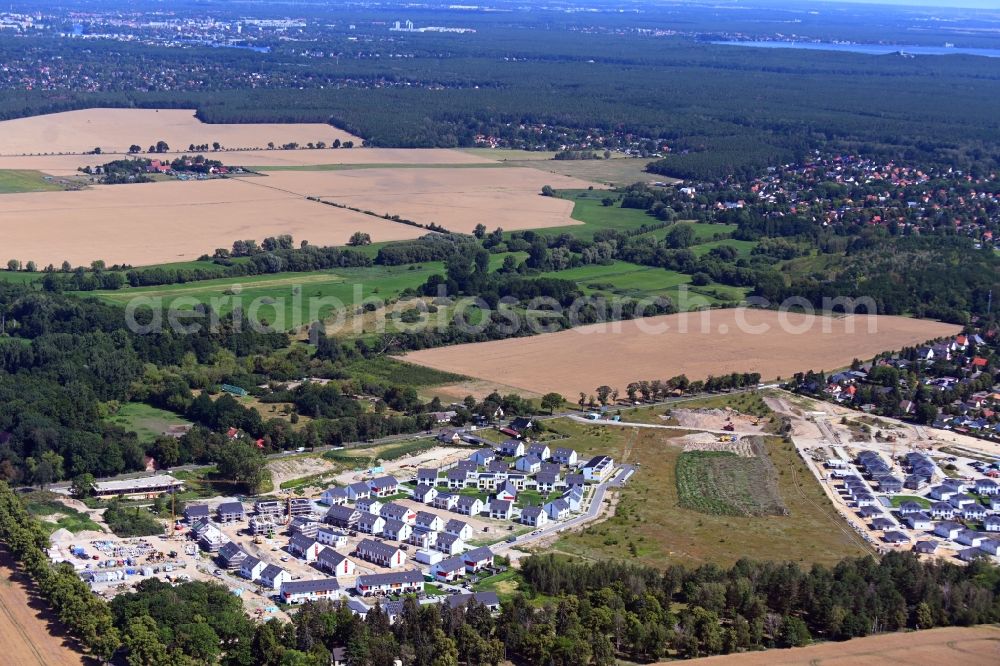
(172, 221)
(651, 526)
(365, 457)
(594, 215)
(30, 633)
(114, 130)
(146, 421)
(970, 646)
(697, 344)
(22, 180)
(457, 198)
(615, 172)
(54, 515)
(290, 300)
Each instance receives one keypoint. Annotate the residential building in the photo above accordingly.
(528, 464)
(534, 516)
(400, 582)
(919, 521)
(427, 476)
(564, 456)
(369, 505)
(540, 451)
(429, 521)
(445, 501)
(252, 567)
(371, 523)
(422, 538)
(301, 591)
(512, 448)
(477, 559)
(384, 486)
(358, 490)
(397, 530)
(557, 509)
(598, 469)
(459, 528)
(488, 599)
(501, 509)
(343, 516)
(381, 553)
(230, 512)
(469, 506)
(331, 537)
(449, 544)
(335, 564)
(483, 457)
(273, 576)
(425, 494)
(399, 512)
(193, 512)
(304, 547)
(448, 569)
(334, 496)
(231, 556)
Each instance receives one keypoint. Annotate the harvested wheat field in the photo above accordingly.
(457, 199)
(969, 646)
(114, 130)
(697, 344)
(29, 633)
(171, 221)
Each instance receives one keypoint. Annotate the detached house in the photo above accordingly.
(427, 476)
(358, 490)
(534, 516)
(459, 528)
(564, 456)
(397, 530)
(335, 564)
(528, 464)
(449, 544)
(449, 569)
(501, 509)
(557, 509)
(540, 451)
(477, 559)
(230, 512)
(231, 556)
(384, 486)
(446, 501)
(251, 568)
(369, 505)
(425, 494)
(429, 521)
(334, 496)
(371, 523)
(305, 547)
(512, 448)
(273, 576)
(469, 506)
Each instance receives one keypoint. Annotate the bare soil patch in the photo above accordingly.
(172, 221)
(29, 632)
(971, 646)
(114, 130)
(457, 199)
(696, 344)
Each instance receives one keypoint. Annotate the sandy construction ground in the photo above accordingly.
(696, 344)
(114, 130)
(970, 646)
(172, 221)
(457, 199)
(29, 633)
(67, 165)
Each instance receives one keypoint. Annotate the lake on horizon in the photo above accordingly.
(868, 49)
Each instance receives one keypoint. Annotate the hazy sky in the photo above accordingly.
(976, 4)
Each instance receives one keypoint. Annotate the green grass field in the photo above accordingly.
(354, 167)
(20, 277)
(54, 515)
(385, 368)
(146, 421)
(651, 526)
(725, 484)
(288, 300)
(18, 180)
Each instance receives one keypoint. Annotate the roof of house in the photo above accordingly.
(394, 526)
(396, 511)
(447, 539)
(559, 504)
(301, 541)
(597, 461)
(451, 564)
(422, 489)
(368, 519)
(467, 500)
(478, 554)
(196, 510)
(532, 511)
(343, 512)
(383, 481)
(500, 505)
(483, 598)
(251, 563)
(547, 477)
(562, 452)
(270, 571)
(425, 517)
(231, 550)
(330, 556)
(378, 548)
(360, 487)
(455, 525)
(231, 507)
(307, 586)
(925, 547)
(410, 576)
